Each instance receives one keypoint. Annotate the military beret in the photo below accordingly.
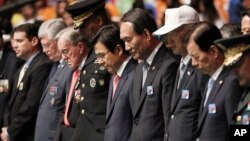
(233, 48)
(83, 9)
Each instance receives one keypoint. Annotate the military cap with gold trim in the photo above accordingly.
(82, 9)
(233, 48)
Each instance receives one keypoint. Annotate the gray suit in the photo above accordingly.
(119, 115)
(185, 106)
(52, 103)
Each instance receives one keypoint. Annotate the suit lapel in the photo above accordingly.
(153, 69)
(53, 78)
(111, 102)
(244, 101)
(216, 87)
(109, 98)
(91, 57)
(16, 89)
(178, 92)
(137, 87)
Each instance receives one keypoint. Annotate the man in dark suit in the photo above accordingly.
(6, 74)
(187, 94)
(222, 92)
(154, 77)
(235, 46)
(21, 111)
(117, 61)
(52, 103)
(89, 16)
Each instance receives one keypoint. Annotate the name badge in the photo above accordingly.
(212, 108)
(150, 90)
(53, 90)
(185, 94)
(245, 119)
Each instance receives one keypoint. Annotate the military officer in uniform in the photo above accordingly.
(89, 16)
(237, 55)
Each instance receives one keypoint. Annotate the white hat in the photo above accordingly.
(175, 17)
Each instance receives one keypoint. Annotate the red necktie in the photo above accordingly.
(73, 82)
(115, 83)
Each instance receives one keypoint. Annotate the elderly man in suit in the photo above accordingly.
(89, 16)
(74, 49)
(237, 55)
(20, 115)
(154, 77)
(186, 98)
(6, 74)
(110, 49)
(222, 92)
(52, 103)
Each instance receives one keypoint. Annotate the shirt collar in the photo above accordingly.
(152, 55)
(216, 74)
(28, 62)
(186, 59)
(82, 63)
(122, 67)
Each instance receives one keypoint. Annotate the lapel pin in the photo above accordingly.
(221, 82)
(189, 73)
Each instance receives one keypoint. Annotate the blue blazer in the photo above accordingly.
(52, 103)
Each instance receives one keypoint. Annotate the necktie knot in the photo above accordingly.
(210, 83)
(146, 65)
(182, 66)
(76, 73)
(116, 79)
(115, 83)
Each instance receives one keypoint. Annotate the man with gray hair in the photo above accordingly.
(53, 99)
(74, 49)
(186, 99)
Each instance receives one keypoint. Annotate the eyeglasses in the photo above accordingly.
(102, 55)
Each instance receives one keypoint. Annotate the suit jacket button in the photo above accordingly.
(172, 116)
(84, 72)
(82, 111)
(82, 98)
(83, 85)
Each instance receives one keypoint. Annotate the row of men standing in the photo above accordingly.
(153, 100)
